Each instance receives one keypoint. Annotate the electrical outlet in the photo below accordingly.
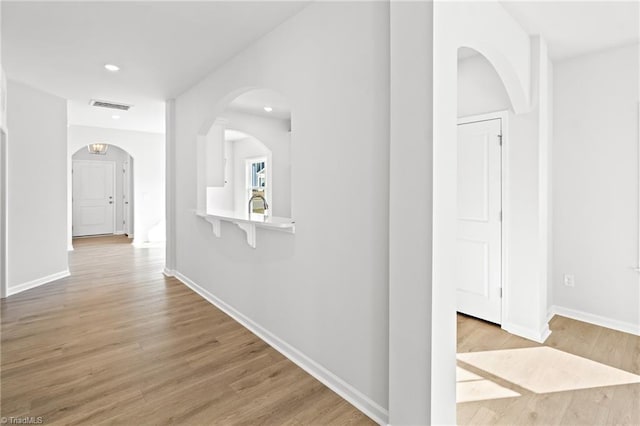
(569, 280)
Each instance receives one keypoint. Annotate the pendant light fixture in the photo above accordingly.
(98, 148)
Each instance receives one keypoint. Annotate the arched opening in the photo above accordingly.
(248, 175)
(102, 191)
(481, 129)
(484, 212)
(245, 166)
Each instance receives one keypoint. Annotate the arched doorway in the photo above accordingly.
(483, 109)
(102, 191)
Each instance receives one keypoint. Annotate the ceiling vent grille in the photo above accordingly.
(112, 105)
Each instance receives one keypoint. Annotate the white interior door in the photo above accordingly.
(479, 265)
(93, 197)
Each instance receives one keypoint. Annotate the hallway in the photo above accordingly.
(118, 342)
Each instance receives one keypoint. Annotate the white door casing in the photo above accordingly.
(479, 240)
(93, 197)
(127, 194)
(3, 214)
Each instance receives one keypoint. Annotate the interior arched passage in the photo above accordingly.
(480, 89)
(508, 48)
(102, 188)
(148, 153)
(255, 125)
(512, 83)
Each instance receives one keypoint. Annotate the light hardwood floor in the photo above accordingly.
(577, 368)
(119, 343)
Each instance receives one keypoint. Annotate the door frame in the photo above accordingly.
(127, 196)
(113, 177)
(247, 167)
(504, 190)
(4, 207)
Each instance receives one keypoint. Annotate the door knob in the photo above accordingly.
(110, 202)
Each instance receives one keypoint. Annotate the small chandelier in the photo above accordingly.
(98, 148)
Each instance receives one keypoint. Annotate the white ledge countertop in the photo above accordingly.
(247, 223)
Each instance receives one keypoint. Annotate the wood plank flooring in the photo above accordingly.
(119, 343)
(593, 405)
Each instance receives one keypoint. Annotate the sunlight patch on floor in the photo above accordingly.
(544, 369)
(471, 387)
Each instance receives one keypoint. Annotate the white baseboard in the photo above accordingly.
(118, 233)
(170, 273)
(38, 282)
(333, 382)
(70, 247)
(538, 336)
(613, 324)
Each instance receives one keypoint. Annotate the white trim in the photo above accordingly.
(170, 182)
(333, 382)
(484, 117)
(638, 267)
(118, 233)
(538, 336)
(601, 321)
(503, 116)
(37, 282)
(169, 272)
(4, 200)
(70, 247)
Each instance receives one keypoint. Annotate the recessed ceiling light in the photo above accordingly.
(268, 108)
(115, 117)
(112, 67)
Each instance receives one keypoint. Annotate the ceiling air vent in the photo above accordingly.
(112, 105)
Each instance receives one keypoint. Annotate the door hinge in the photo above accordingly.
(500, 139)
(500, 216)
(500, 291)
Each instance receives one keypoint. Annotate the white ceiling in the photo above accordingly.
(162, 48)
(573, 28)
(254, 101)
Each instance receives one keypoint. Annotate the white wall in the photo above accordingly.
(411, 230)
(223, 197)
(37, 207)
(3, 182)
(595, 191)
(323, 291)
(119, 157)
(147, 151)
(3, 98)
